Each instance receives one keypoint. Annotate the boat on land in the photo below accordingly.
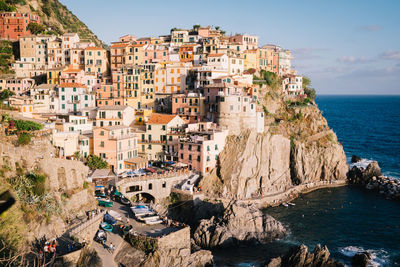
(115, 215)
(105, 202)
(285, 204)
(109, 219)
(291, 204)
(144, 214)
(106, 227)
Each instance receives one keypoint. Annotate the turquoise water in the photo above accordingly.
(346, 219)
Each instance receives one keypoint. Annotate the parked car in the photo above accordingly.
(109, 219)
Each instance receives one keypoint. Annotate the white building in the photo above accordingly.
(115, 115)
(73, 97)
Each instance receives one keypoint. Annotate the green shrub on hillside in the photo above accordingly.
(36, 28)
(95, 162)
(24, 139)
(22, 125)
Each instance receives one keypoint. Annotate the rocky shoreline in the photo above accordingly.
(368, 174)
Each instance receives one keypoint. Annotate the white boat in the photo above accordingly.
(285, 204)
(156, 221)
(291, 204)
(115, 214)
(141, 209)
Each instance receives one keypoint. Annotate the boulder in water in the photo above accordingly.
(299, 256)
(361, 259)
(355, 159)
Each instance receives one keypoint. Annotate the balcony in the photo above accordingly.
(73, 101)
(141, 141)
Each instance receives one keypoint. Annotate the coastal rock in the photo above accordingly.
(360, 175)
(355, 159)
(361, 259)
(239, 223)
(299, 256)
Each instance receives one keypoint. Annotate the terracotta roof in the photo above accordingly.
(93, 48)
(119, 45)
(216, 55)
(189, 45)
(157, 118)
(70, 68)
(137, 45)
(73, 85)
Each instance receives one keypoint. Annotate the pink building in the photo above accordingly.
(19, 86)
(72, 75)
(115, 144)
(155, 54)
(190, 107)
(200, 149)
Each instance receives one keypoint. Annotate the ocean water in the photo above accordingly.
(346, 219)
(367, 126)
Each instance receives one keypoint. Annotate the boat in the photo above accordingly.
(117, 193)
(141, 209)
(106, 227)
(109, 219)
(105, 202)
(285, 204)
(101, 236)
(124, 200)
(291, 204)
(115, 215)
(148, 217)
(156, 221)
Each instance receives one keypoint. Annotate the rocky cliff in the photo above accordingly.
(296, 148)
(240, 223)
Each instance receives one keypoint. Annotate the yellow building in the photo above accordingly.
(96, 61)
(53, 76)
(134, 54)
(142, 116)
(138, 83)
(250, 59)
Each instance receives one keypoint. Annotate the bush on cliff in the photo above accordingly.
(23, 125)
(24, 139)
(95, 162)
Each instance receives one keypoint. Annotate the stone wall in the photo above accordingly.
(88, 229)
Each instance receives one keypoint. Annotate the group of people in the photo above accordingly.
(111, 248)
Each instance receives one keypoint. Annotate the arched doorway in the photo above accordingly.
(143, 198)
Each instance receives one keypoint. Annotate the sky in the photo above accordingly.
(344, 47)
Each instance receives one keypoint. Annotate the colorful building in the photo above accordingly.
(190, 107)
(14, 25)
(115, 144)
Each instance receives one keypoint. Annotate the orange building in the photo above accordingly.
(14, 25)
(186, 52)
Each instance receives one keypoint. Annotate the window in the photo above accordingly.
(208, 158)
(216, 147)
(163, 127)
(63, 106)
(181, 155)
(102, 133)
(198, 158)
(190, 147)
(190, 157)
(208, 148)
(102, 143)
(63, 97)
(149, 127)
(164, 184)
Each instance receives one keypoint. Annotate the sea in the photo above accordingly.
(346, 219)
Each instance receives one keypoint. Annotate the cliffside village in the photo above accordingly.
(171, 99)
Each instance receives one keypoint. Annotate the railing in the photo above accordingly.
(86, 224)
(148, 176)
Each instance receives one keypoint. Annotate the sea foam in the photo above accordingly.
(379, 257)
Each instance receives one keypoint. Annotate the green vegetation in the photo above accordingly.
(95, 162)
(36, 28)
(143, 243)
(174, 197)
(4, 6)
(24, 139)
(23, 125)
(6, 56)
(310, 92)
(5, 94)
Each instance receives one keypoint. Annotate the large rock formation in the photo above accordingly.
(239, 223)
(300, 257)
(368, 174)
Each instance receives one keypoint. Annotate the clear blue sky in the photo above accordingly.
(345, 47)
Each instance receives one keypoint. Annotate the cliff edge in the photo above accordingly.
(296, 148)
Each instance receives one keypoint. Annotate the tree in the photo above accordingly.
(5, 94)
(95, 162)
(310, 92)
(196, 27)
(217, 28)
(36, 28)
(77, 155)
(306, 82)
